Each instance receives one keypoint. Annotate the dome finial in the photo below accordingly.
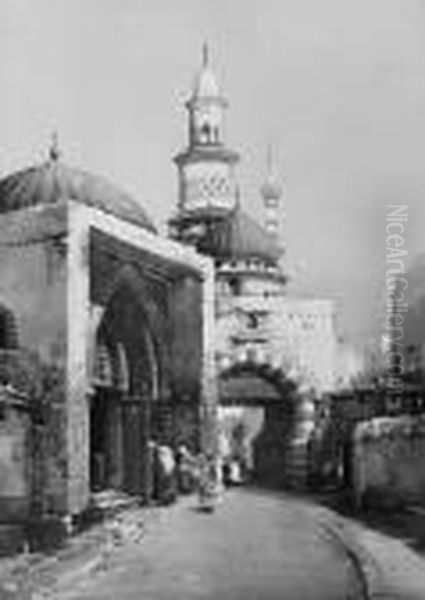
(269, 158)
(271, 187)
(54, 151)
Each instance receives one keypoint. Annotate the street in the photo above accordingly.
(257, 545)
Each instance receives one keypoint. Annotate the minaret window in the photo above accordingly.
(252, 322)
(235, 286)
(205, 133)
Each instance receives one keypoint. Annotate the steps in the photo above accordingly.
(12, 539)
(111, 502)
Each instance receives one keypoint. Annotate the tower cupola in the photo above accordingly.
(205, 85)
(206, 107)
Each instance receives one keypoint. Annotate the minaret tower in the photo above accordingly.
(206, 178)
(271, 191)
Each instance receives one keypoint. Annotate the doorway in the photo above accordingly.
(125, 376)
(104, 440)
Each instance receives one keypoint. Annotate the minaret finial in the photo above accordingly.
(271, 187)
(271, 191)
(205, 55)
(269, 157)
(54, 151)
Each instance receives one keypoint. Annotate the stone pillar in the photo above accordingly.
(119, 457)
(147, 455)
(78, 335)
(297, 456)
(209, 395)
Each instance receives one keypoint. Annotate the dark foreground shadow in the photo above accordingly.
(406, 523)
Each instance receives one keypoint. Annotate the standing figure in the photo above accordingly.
(208, 488)
(186, 470)
(165, 491)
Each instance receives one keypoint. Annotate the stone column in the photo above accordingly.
(147, 456)
(78, 335)
(297, 458)
(209, 395)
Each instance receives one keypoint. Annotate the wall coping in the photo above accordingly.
(390, 427)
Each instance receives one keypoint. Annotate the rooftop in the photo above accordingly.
(52, 181)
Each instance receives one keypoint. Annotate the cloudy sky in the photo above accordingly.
(337, 86)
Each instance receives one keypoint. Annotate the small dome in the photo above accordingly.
(52, 181)
(240, 237)
(272, 187)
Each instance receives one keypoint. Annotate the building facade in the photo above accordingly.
(106, 327)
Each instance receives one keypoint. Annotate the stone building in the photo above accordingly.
(263, 337)
(116, 324)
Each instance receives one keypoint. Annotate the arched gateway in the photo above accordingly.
(263, 421)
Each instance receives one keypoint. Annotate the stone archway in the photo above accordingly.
(260, 387)
(126, 380)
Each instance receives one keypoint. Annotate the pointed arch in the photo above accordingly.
(131, 282)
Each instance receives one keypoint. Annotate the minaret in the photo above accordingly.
(206, 107)
(271, 191)
(206, 166)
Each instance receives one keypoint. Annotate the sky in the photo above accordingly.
(336, 86)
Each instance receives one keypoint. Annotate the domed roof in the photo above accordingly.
(241, 237)
(52, 181)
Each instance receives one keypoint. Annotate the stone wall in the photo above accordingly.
(15, 487)
(186, 338)
(296, 335)
(33, 281)
(388, 461)
(33, 286)
(187, 358)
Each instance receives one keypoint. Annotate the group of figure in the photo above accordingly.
(182, 472)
